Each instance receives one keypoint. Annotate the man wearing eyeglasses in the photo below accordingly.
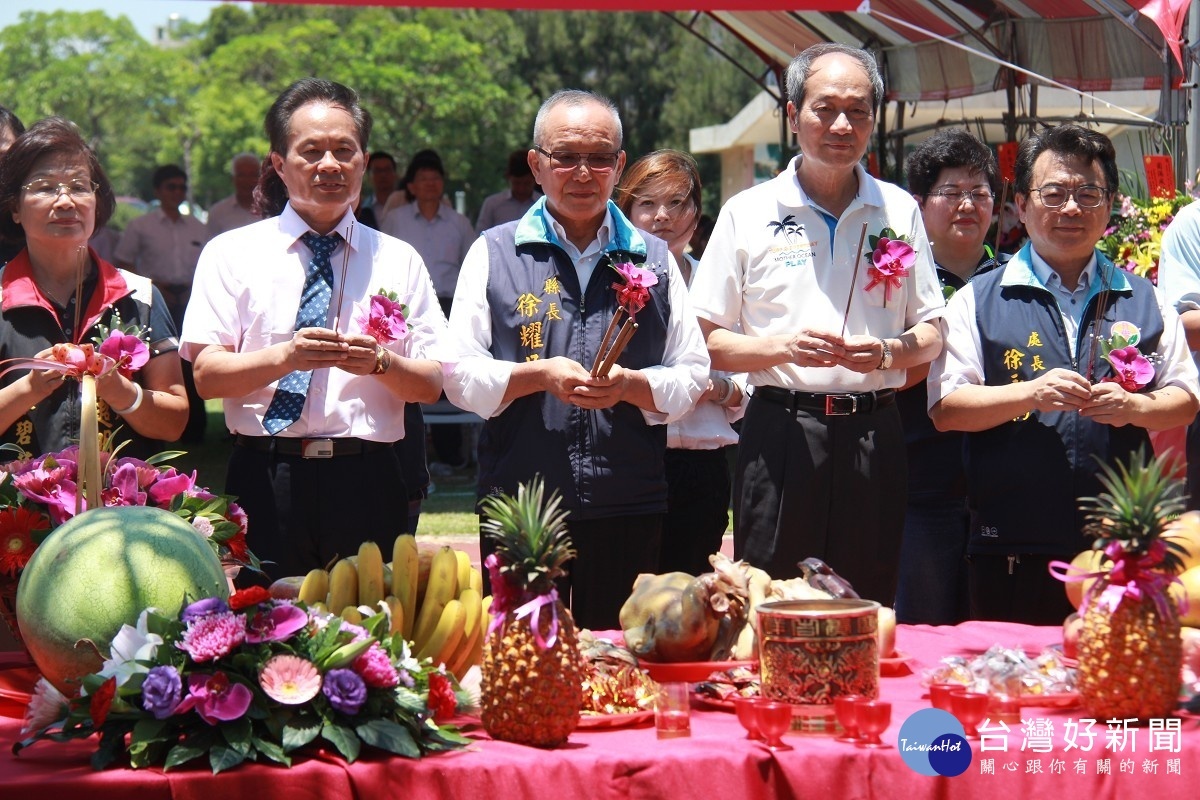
(786, 292)
(533, 302)
(1027, 374)
(164, 245)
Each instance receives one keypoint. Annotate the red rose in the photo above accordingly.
(244, 598)
(442, 702)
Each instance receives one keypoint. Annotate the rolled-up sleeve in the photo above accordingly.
(476, 381)
(677, 383)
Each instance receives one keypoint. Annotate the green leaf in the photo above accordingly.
(271, 751)
(237, 734)
(299, 731)
(344, 654)
(387, 735)
(182, 754)
(343, 739)
(221, 758)
(151, 730)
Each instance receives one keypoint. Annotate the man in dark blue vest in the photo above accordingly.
(534, 300)
(1027, 372)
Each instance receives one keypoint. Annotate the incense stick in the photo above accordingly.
(627, 331)
(854, 279)
(79, 267)
(337, 314)
(608, 336)
(1101, 310)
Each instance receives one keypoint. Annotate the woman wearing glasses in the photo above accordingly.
(660, 193)
(53, 195)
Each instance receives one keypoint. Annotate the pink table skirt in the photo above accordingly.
(716, 762)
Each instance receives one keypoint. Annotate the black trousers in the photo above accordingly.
(698, 486)
(611, 553)
(304, 513)
(1017, 588)
(830, 487)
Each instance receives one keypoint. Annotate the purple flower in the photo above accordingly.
(162, 691)
(276, 624)
(123, 489)
(215, 698)
(345, 689)
(893, 257)
(130, 352)
(52, 486)
(201, 608)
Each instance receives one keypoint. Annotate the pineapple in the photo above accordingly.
(531, 694)
(1130, 655)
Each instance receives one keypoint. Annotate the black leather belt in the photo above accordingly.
(831, 405)
(310, 448)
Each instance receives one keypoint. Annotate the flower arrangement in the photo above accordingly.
(114, 347)
(633, 293)
(1133, 239)
(891, 256)
(383, 317)
(39, 494)
(252, 679)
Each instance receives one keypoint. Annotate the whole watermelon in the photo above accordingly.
(96, 573)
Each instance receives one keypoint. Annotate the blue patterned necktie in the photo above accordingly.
(289, 397)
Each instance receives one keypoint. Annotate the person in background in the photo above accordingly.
(526, 352)
(315, 402)
(660, 194)
(237, 209)
(788, 292)
(1025, 376)
(513, 202)
(10, 129)
(53, 194)
(381, 171)
(954, 178)
(442, 236)
(164, 244)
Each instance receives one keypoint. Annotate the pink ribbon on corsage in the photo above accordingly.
(634, 293)
(889, 263)
(1130, 576)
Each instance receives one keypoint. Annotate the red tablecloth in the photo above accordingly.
(716, 762)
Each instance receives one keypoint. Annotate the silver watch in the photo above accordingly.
(885, 362)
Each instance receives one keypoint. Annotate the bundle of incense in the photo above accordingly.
(337, 314)
(862, 237)
(607, 340)
(627, 332)
(80, 268)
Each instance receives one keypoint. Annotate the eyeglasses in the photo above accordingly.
(957, 196)
(49, 190)
(566, 161)
(1055, 196)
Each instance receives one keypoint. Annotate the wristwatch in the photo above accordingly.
(885, 361)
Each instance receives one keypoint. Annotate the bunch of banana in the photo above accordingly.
(439, 609)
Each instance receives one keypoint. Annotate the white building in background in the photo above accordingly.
(749, 143)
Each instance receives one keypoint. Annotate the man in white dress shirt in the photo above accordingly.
(318, 484)
(237, 209)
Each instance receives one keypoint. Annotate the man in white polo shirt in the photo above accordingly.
(788, 292)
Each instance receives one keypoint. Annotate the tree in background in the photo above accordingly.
(466, 82)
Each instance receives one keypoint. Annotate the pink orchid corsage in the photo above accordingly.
(634, 293)
(382, 317)
(127, 351)
(1133, 371)
(890, 260)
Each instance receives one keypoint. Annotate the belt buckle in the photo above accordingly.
(840, 405)
(316, 448)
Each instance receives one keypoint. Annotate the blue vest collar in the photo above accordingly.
(535, 228)
(1019, 272)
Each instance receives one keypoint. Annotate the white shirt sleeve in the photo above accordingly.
(961, 361)
(677, 383)
(477, 381)
(1176, 367)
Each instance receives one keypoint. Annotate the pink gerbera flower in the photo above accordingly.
(290, 680)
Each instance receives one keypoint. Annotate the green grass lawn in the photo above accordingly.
(450, 509)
